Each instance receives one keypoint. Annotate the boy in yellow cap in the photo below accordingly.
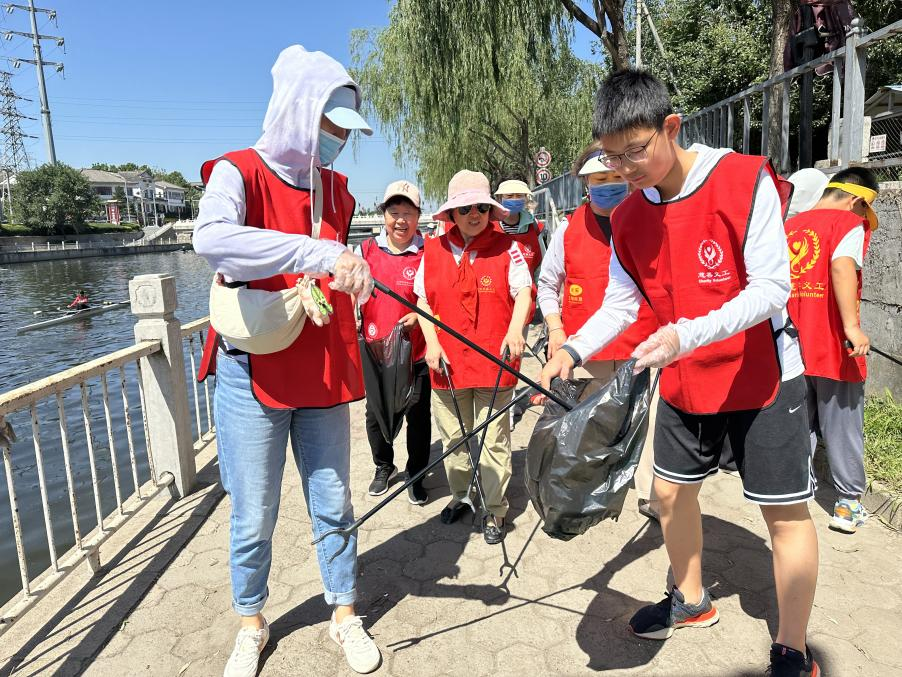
(826, 250)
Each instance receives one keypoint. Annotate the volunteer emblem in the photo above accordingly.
(804, 251)
(371, 330)
(486, 281)
(409, 273)
(575, 290)
(710, 254)
(527, 250)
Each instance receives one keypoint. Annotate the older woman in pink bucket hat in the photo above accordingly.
(475, 279)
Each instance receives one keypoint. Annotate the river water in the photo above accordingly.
(46, 285)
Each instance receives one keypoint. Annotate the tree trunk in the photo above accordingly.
(614, 40)
(783, 11)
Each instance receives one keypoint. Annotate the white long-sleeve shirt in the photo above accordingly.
(246, 253)
(767, 270)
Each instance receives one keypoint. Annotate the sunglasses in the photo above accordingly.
(483, 209)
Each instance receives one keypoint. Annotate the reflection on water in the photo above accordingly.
(25, 288)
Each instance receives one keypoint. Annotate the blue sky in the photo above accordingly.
(172, 84)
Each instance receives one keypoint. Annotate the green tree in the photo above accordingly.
(476, 85)
(53, 197)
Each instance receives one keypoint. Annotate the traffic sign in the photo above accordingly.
(543, 175)
(543, 158)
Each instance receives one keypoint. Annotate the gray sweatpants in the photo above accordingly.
(836, 411)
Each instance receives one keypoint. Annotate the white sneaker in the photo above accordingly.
(360, 650)
(246, 654)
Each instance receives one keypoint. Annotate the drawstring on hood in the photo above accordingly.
(302, 84)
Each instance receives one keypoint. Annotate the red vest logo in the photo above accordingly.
(710, 254)
(485, 281)
(527, 251)
(371, 330)
(409, 273)
(804, 251)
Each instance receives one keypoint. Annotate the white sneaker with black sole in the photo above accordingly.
(361, 652)
(246, 655)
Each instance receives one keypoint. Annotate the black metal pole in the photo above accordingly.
(463, 339)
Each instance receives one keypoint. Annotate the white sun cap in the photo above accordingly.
(341, 109)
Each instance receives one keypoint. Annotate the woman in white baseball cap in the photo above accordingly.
(267, 223)
(572, 286)
(521, 224)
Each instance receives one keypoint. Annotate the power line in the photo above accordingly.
(15, 155)
(39, 64)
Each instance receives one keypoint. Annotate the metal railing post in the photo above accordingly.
(153, 301)
(853, 102)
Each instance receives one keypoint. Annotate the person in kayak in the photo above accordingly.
(80, 302)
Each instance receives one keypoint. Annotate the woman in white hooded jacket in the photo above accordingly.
(270, 214)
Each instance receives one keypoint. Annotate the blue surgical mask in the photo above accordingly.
(329, 147)
(607, 195)
(515, 205)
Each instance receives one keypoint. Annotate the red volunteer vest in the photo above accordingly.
(686, 256)
(587, 258)
(529, 244)
(812, 237)
(468, 368)
(322, 367)
(381, 313)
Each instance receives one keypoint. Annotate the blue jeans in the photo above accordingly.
(251, 443)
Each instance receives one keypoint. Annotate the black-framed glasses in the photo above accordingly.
(483, 209)
(634, 155)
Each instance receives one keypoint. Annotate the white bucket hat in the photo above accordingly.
(469, 188)
(808, 187)
(513, 187)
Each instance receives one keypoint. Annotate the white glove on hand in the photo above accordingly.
(311, 307)
(659, 349)
(352, 276)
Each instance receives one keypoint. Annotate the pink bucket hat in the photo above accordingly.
(469, 188)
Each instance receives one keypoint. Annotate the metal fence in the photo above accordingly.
(743, 121)
(130, 457)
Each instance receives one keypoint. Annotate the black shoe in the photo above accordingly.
(493, 529)
(452, 512)
(379, 485)
(786, 662)
(416, 494)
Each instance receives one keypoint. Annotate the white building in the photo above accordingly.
(147, 200)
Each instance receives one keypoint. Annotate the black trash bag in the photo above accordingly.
(579, 463)
(388, 378)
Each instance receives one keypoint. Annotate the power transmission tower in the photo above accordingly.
(15, 156)
(39, 64)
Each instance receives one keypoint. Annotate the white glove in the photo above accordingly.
(659, 349)
(352, 276)
(314, 313)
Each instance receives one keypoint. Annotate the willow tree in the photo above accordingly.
(480, 85)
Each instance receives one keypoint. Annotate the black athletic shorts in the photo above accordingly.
(771, 446)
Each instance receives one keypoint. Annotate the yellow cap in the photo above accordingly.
(865, 194)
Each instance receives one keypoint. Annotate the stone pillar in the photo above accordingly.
(153, 301)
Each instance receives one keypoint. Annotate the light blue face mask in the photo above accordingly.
(329, 147)
(607, 195)
(515, 205)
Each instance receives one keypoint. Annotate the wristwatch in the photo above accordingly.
(572, 353)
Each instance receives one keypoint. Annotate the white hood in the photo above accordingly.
(302, 83)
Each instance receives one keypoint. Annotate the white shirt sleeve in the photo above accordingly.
(419, 285)
(518, 275)
(852, 245)
(618, 311)
(766, 259)
(552, 275)
(244, 252)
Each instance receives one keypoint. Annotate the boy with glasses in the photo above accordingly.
(701, 239)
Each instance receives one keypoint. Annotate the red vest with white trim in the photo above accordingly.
(381, 313)
(495, 307)
(813, 237)
(686, 257)
(529, 244)
(587, 259)
(322, 367)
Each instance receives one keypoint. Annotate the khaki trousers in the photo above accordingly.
(495, 463)
(645, 472)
